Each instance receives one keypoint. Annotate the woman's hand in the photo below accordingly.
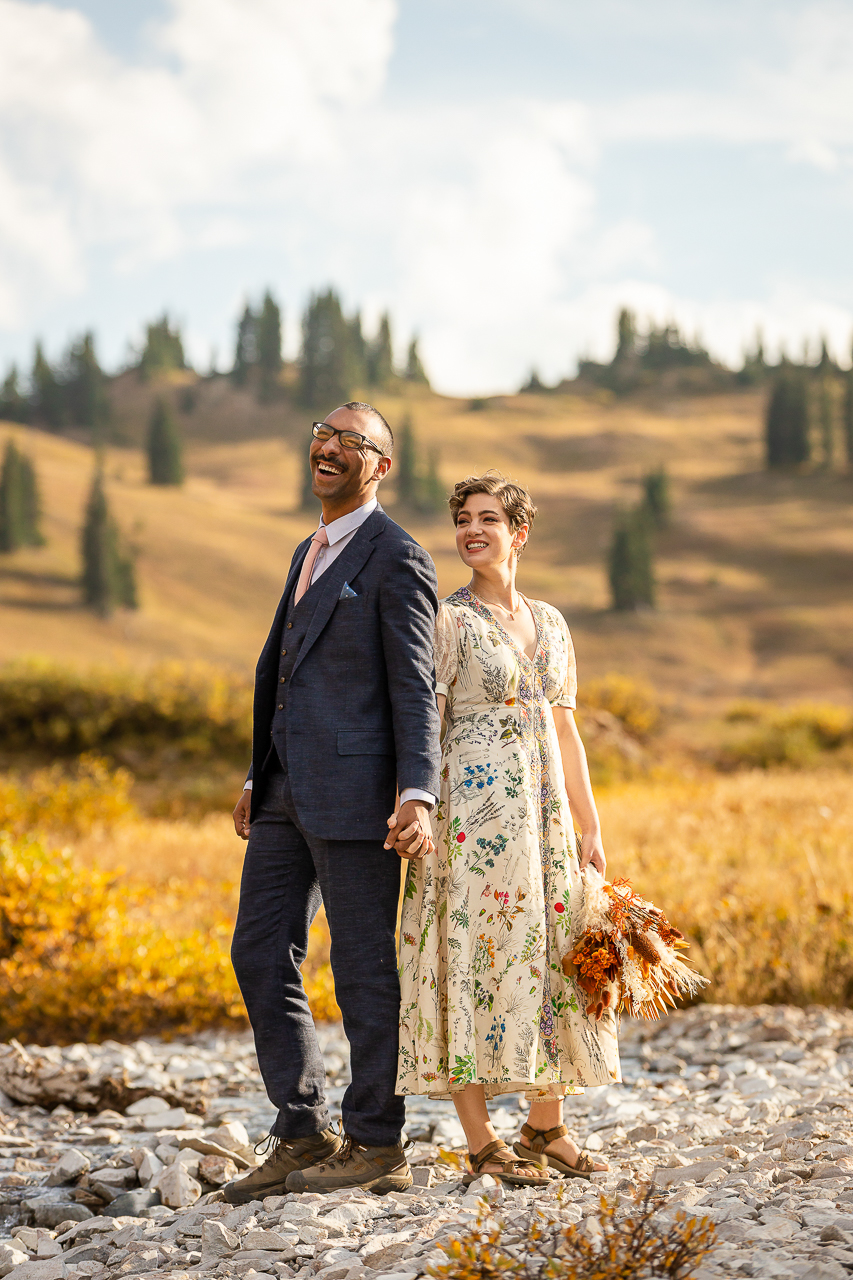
(592, 851)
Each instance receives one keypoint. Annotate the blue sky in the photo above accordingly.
(500, 174)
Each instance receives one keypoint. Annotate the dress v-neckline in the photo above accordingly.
(509, 639)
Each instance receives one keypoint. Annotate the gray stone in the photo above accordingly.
(697, 1172)
(10, 1258)
(48, 1269)
(50, 1214)
(71, 1166)
(217, 1242)
(131, 1203)
(177, 1187)
(642, 1133)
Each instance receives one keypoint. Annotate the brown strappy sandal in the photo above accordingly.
(541, 1138)
(499, 1153)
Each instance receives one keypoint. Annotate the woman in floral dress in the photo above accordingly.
(488, 1006)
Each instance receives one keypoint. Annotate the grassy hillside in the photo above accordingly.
(756, 573)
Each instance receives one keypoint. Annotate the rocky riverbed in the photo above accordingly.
(744, 1116)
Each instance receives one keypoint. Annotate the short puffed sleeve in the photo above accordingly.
(446, 656)
(568, 694)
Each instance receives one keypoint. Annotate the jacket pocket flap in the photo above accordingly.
(364, 742)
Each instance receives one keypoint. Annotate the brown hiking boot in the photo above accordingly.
(378, 1169)
(286, 1156)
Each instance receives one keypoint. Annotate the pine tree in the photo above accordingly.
(357, 350)
(269, 345)
(326, 365)
(85, 385)
(434, 496)
(657, 497)
(165, 450)
(380, 364)
(47, 396)
(164, 348)
(20, 509)
(826, 417)
(108, 578)
(13, 402)
(848, 416)
(630, 563)
(12, 513)
(406, 466)
(246, 348)
(786, 425)
(415, 371)
(31, 503)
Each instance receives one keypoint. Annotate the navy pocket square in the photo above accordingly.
(347, 593)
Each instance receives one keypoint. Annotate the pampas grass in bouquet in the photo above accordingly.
(626, 956)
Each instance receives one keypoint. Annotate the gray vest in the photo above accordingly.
(297, 620)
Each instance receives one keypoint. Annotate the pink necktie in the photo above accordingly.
(320, 540)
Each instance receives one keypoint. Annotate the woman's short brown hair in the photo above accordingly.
(514, 498)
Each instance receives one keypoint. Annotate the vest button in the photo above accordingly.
(281, 706)
(283, 652)
(289, 625)
(282, 679)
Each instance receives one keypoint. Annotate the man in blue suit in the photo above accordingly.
(344, 718)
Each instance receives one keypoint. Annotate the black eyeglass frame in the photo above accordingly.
(345, 431)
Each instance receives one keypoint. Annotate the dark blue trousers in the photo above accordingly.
(286, 875)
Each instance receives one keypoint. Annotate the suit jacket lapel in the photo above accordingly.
(350, 562)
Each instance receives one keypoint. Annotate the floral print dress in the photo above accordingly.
(487, 918)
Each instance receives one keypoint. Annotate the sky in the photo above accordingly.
(501, 175)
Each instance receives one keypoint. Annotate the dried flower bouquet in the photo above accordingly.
(625, 954)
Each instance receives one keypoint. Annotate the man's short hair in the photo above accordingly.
(386, 435)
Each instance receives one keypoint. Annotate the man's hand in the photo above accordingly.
(410, 831)
(241, 815)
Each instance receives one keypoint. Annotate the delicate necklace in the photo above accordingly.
(510, 613)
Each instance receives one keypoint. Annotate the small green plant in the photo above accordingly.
(656, 497)
(613, 1245)
(633, 702)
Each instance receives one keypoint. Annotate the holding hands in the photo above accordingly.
(410, 831)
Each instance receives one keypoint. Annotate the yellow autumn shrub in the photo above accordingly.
(89, 797)
(193, 708)
(795, 737)
(632, 702)
(86, 954)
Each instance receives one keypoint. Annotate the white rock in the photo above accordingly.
(10, 1258)
(147, 1107)
(274, 1240)
(177, 1187)
(71, 1166)
(232, 1136)
(150, 1168)
(175, 1118)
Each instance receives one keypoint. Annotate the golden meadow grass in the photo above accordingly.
(124, 927)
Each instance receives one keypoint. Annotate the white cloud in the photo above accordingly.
(264, 122)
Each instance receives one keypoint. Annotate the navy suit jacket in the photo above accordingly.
(361, 712)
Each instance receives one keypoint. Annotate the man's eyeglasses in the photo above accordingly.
(349, 439)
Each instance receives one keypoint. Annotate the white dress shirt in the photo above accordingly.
(340, 533)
